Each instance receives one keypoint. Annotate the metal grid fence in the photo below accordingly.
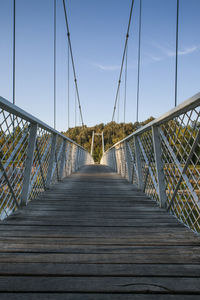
(163, 160)
(33, 156)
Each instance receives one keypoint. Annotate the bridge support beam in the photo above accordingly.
(28, 164)
(159, 167)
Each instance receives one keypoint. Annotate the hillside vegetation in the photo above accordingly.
(113, 132)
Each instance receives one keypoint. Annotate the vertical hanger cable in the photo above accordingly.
(176, 62)
(139, 59)
(68, 91)
(14, 52)
(125, 84)
(54, 64)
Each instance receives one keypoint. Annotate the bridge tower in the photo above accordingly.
(92, 144)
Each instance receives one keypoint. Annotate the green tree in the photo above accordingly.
(113, 132)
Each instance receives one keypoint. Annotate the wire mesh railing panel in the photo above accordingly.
(40, 163)
(110, 158)
(129, 162)
(72, 159)
(74, 154)
(121, 160)
(124, 156)
(181, 158)
(118, 161)
(32, 157)
(14, 134)
(172, 173)
(68, 165)
(149, 175)
(163, 159)
(131, 148)
(57, 160)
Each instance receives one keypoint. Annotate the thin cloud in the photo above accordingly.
(131, 65)
(107, 67)
(170, 53)
(189, 50)
(154, 57)
(167, 52)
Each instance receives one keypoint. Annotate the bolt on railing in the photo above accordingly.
(33, 156)
(162, 159)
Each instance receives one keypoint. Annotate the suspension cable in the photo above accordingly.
(125, 84)
(14, 52)
(176, 62)
(119, 96)
(75, 113)
(72, 59)
(54, 64)
(139, 55)
(79, 119)
(68, 81)
(122, 64)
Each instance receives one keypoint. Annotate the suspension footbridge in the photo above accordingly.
(127, 228)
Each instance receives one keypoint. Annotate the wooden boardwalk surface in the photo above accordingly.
(94, 236)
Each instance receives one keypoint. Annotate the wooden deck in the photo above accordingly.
(94, 236)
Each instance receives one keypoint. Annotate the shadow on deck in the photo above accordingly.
(95, 236)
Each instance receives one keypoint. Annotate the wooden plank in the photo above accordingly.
(101, 249)
(61, 212)
(150, 240)
(100, 284)
(97, 228)
(95, 236)
(54, 234)
(167, 270)
(91, 223)
(136, 217)
(94, 296)
(115, 258)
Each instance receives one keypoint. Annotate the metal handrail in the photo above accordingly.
(33, 156)
(17, 111)
(163, 159)
(190, 103)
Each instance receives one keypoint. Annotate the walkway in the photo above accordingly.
(94, 236)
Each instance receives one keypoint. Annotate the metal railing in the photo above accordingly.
(33, 156)
(163, 159)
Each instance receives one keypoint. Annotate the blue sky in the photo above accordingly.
(98, 29)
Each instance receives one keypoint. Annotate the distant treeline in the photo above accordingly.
(113, 132)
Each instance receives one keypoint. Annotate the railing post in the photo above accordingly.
(132, 165)
(159, 166)
(117, 161)
(72, 159)
(123, 160)
(128, 161)
(114, 160)
(138, 163)
(77, 158)
(120, 160)
(51, 160)
(80, 158)
(62, 160)
(67, 158)
(28, 164)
